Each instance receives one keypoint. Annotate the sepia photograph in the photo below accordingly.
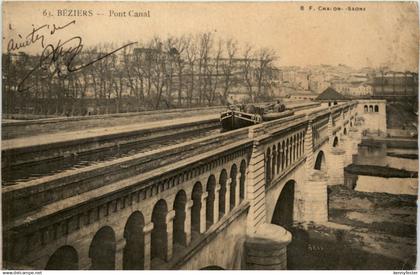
(209, 135)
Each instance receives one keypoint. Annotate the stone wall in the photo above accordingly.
(374, 119)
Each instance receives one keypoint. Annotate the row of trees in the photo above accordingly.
(194, 70)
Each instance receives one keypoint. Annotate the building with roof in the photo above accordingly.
(303, 95)
(352, 89)
(331, 96)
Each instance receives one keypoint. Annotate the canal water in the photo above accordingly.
(372, 218)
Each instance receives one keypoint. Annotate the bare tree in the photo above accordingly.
(248, 71)
(265, 57)
(158, 70)
(133, 75)
(213, 75)
(205, 44)
(181, 46)
(191, 55)
(102, 76)
(228, 67)
(178, 71)
(172, 56)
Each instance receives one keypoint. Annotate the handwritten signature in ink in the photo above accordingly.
(35, 35)
(58, 59)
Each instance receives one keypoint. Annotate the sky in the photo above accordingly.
(382, 34)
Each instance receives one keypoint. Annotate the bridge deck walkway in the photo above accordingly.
(29, 128)
(97, 132)
(310, 110)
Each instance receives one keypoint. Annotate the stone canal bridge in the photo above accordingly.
(209, 203)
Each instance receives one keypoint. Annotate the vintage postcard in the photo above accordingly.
(209, 135)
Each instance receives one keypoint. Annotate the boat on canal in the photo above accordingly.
(239, 116)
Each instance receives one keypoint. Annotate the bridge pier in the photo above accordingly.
(169, 231)
(85, 262)
(347, 146)
(267, 249)
(309, 151)
(355, 139)
(336, 166)
(147, 230)
(119, 253)
(227, 198)
(187, 222)
(256, 183)
(356, 134)
(314, 198)
(216, 202)
(330, 130)
(311, 194)
(237, 189)
(203, 213)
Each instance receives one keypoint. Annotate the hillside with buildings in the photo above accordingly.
(306, 83)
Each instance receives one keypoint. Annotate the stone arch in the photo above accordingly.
(376, 108)
(370, 108)
(283, 211)
(159, 238)
(365, 108)
(222, 193)
(320, 163)
(102, 249)
(179, 236)
(64, 258)
(233, 173)
(335, 142)
(133, 254)
(211, 189)
(196, 195)
(242, 169)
